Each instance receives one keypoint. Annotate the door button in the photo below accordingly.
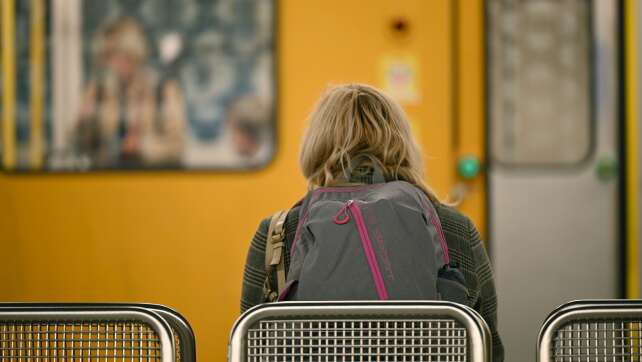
(468, 167)
(606, 169)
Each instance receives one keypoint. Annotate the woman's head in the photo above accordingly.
(356, 120)
(121, 46)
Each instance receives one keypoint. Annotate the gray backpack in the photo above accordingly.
(364, 242)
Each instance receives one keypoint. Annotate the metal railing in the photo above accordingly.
(84, 332)
(592, 331)
(186, 342)
(360, 331)
(184, 339)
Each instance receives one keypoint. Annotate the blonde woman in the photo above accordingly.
(358, 136)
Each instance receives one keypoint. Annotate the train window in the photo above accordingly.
(539, 66)
(125, 84)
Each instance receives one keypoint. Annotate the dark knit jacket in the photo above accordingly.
(464, 246)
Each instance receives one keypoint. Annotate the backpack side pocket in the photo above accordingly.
(451, 286)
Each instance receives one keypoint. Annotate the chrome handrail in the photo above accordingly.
(60, 313)
(478, 337)
(587, 312)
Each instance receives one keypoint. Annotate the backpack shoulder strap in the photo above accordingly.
(274, 249)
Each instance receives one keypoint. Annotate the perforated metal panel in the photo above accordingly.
(184, 340)
(593, 331)
(78, 341)
(84, 332)
(598, 340)
(358, 340)
(371, 331)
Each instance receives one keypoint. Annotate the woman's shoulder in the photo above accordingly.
(454, 222)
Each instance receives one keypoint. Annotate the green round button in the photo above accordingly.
(468, 167)
(606, 168)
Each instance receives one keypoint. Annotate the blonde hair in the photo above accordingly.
(356, 120)
(127, 35)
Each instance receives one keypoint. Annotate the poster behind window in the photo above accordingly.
(178, 84)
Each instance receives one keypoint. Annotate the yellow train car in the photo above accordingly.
(527, 114)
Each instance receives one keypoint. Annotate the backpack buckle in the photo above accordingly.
(269, 295)
(277, 251)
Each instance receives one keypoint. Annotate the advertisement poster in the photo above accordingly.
(155, 84)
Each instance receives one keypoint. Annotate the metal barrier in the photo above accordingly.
(592, 330)
(85, 332)
(186, 348)
(183, 334)
(360, 331)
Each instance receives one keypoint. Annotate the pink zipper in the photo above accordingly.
(368, 249)
(315, 195)
(440, 232)
(442, 239)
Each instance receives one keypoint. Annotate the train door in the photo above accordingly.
(553, 110)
